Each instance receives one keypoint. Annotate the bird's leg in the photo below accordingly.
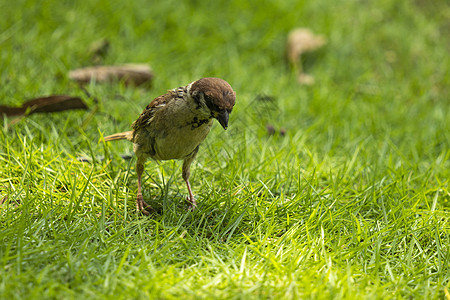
(186, 173)
(190, 198)
(141, 205)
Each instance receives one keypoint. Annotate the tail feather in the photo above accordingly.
(127, 135)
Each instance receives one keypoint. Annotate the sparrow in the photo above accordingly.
(173, 126)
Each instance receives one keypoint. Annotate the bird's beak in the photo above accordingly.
(222, 117)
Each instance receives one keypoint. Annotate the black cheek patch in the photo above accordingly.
(210, 103)
(197, 97)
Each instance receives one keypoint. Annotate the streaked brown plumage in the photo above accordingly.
(173, 125)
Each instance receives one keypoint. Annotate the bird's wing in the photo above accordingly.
(146, 116)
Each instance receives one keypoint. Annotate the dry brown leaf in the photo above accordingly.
(132, 74)
(305, 79)
(51, 103)
(302, 40)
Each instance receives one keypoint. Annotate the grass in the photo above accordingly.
(353, 202)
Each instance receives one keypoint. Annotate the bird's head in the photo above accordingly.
(215, 96)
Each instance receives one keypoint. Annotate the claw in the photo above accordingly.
(192, 205)
(142, 206)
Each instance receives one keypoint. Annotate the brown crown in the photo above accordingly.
(219, 95)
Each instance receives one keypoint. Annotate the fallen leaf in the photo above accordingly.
(132, 74)
(300, 41)
(52, 103)
(305, 79)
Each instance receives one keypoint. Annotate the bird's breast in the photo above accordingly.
(179, 140)
(174, 131)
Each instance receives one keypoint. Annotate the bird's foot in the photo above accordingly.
(192, 205)
(142, 206)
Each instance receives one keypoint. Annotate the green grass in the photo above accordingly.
(353, 202)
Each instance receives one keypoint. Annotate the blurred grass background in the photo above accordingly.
(352, 202)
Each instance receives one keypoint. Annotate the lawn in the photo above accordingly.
(336, 190)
